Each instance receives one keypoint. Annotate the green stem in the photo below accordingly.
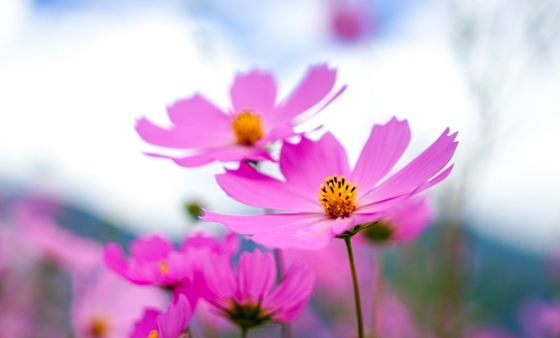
(377, 313)
(244, 332)
(356, 288)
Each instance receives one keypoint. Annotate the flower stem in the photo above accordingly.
(356, 288)
(244, 332)
(377, 313)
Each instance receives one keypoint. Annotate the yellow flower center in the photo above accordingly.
(153, 334)
(338, 197)
(247, 128)
(163, 267)
(99, 328)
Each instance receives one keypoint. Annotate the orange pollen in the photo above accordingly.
(99, 328)
(338, 197)
(247, 128)
(153, 334)
(163, 267)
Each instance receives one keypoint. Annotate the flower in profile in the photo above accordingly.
(321, 198)
(403, 225)
(246, 298)
(244, 131)
(169, 324)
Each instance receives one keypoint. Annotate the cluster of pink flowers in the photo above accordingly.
(321, 196)
(159, 290)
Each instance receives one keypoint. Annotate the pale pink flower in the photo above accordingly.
(108, 306)
(48, 240)
(244, 131)
(321, 197)
(169, 324)
(247, 298)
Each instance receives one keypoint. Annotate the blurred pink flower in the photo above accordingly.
(402, 226)
(47, 240)
(350, 21)
(154, 260)
(247, 298)
(540, 319)
(109, 306)
(323, 197)
(242, 133)
(169, 324)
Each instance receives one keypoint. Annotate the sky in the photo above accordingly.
(75, 75)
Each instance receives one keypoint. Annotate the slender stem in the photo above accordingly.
(244, 332)
(356, 288)
(379, 283)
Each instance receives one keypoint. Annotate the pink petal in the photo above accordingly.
(255, 91)
(115, 259)
(146, 324)
(342, 225)
(188, 161)
(197, 113)
(256, 273)
(383, 149)
(150, 248)
(225, 153)
(173, 322)
(417, 172)
(412, 220)
(249, 186)
(307, 164)
(290, 297)
(197, 123)
(156, 135)
(320, 108)
(317, 84)
(299, 230)
(219, 279)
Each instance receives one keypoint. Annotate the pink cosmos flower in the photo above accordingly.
(402, 226)
(243, 132)
(108, 306)
(322, 197)
(247, 298)
(170, 324)
(155, 261)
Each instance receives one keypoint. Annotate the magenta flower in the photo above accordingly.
(404, 225)
(247, 298)
(244, 131)
(322, 198)
(170, 324)
(153, 261)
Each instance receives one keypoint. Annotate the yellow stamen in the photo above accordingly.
(153, 334)
(163, 267)
(247, 128)
(338, 197)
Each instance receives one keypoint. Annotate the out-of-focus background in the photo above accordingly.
(76, 74)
